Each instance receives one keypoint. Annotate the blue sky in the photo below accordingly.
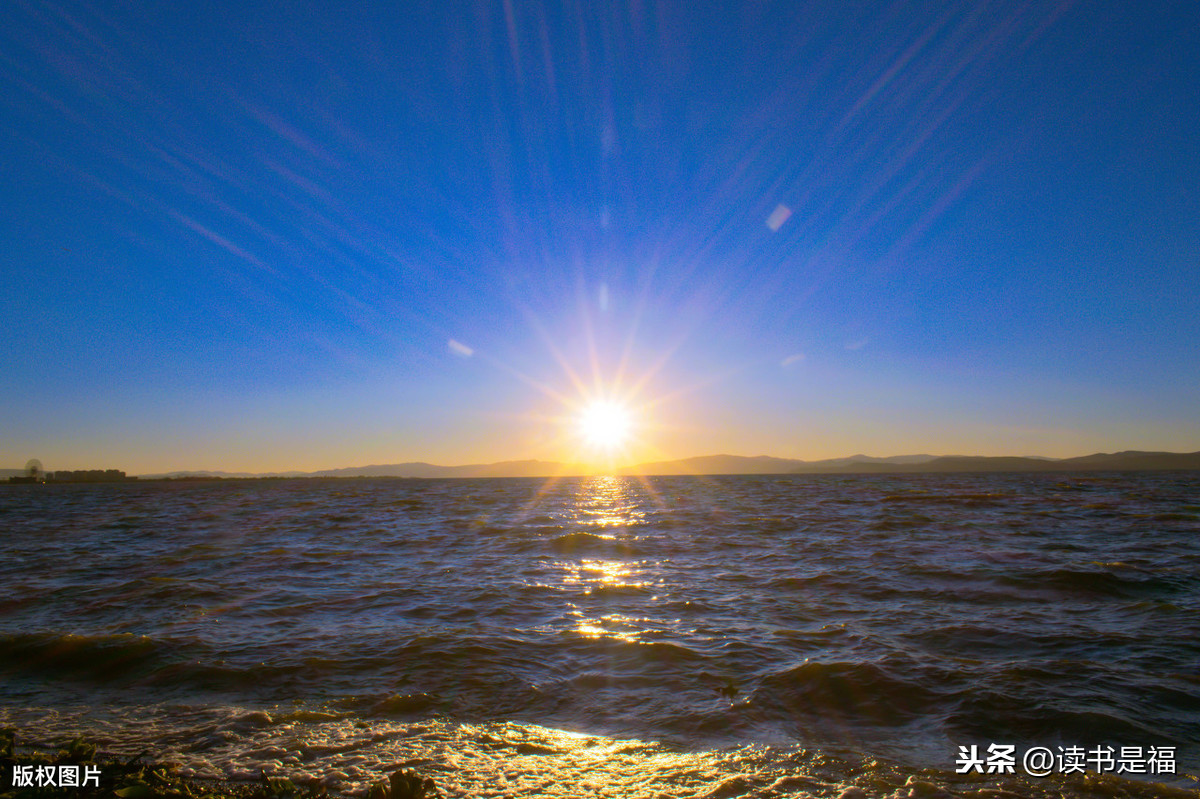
(243, 236)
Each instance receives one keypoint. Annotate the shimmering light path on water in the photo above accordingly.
(823, 621)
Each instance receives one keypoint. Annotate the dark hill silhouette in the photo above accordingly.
(1118, 461)
(1130, 460)
(529, 468)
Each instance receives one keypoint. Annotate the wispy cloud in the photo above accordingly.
(221, 241)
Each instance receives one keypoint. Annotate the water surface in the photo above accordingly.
(753, 635)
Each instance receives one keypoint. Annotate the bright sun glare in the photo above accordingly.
(605, 425)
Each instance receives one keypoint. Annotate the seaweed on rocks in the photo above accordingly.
(404, 785)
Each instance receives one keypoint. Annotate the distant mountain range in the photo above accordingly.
(1130, 460)
(736, 464)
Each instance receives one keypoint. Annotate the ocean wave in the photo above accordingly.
(1106, 582)
(969, 500)
(828, 695)
(97, 657)
(1015, 717)
(590, 543)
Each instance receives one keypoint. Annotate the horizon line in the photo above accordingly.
(583, 468)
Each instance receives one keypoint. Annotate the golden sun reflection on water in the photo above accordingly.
(595, 573)
(597, 577)
(608, 501)
(605, 508)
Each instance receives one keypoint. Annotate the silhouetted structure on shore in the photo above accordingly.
(89, 476)
(34, 473)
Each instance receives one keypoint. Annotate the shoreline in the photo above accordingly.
(822, 776)
(37, 770)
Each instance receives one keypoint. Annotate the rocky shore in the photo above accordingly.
(79, 770)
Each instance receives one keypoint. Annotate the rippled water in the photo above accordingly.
(735, 636)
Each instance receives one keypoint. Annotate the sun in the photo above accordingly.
(605, 425)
